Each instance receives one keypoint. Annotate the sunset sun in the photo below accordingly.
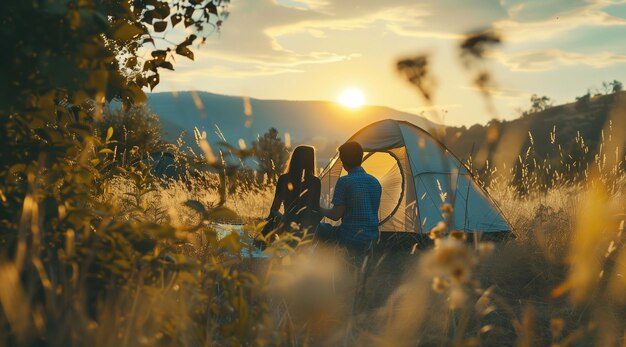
(351, 98)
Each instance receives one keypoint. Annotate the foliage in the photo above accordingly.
(612, 87)
(79, 268)
(136, 133)
(271, 154)
(91, 49)
(539, 103)
(616, 86)
(95, 258)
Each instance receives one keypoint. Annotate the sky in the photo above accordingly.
(315, 49)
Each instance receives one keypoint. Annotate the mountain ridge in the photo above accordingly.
(323, 124)
(326, 124)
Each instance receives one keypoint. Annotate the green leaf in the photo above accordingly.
(223, 214)
(184, 51)
(160, 26)
(188, 22)
(131, 62)
(135, 177)
(196, 206)
(159, 53)
(167, 65)
(144, 244)
(153, 81)
(109, 133)
(176, 19)
(231, 243)
(134, 94)
(125, 32)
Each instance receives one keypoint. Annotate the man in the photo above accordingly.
(355, 201)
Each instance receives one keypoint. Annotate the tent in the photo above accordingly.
(418, 174)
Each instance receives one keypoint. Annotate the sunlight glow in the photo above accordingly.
(352, 98)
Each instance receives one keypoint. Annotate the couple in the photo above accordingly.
(356, 199)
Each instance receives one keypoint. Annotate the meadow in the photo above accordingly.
(97, 249)
(560, 282)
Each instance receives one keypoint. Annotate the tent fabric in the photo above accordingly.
(418, 174)
(386, 135)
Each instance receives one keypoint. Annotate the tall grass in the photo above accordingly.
(156, 272)
(560, 282)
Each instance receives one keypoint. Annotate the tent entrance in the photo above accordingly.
(387, 167)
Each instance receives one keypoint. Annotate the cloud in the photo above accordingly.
(225, 66)
(242, 72)
(258, 34)
(262, 33)
(501, 93)
(288, 60)
(551, 59)
(537, 10)
(387, 15)
(257, 31)
(554, 23)
(404, 31)
(315, 5)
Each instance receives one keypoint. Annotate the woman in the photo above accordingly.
(298, 191)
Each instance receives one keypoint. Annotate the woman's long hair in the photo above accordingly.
(301, 165)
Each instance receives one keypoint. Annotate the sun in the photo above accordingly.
(352, 98)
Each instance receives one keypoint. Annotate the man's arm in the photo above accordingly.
(334, 213)
(339, 201)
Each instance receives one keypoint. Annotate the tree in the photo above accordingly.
(136, 132)
(607, 88)
(57, 57)
(539, 103)
(89, 49)
(271, 153)
(583, 101)
(612, 87)
(616, 86)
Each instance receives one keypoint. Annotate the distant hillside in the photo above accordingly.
(326, 124)
(321, 123)
(502, 142)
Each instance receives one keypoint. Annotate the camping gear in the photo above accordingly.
(248, 250)
(418, 175)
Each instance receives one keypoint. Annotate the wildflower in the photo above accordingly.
(458, 235)
(457, 297)
(439, 285)
(453, 259)
(459, 273)
(485, 329)
(556, 327)
(437, 231)
(486, 248)
(447, 208)
(483, 305)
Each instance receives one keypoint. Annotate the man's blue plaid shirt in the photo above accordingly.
(360, 193)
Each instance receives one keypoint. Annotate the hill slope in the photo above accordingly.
(558, 126)
(326, 124)
(321, 123)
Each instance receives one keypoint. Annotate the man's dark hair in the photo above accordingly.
(351, 154)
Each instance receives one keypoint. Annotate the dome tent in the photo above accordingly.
(418, 174)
